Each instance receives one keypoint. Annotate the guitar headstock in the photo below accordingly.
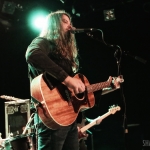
(117, 80)
(113, 109)
(11, 98)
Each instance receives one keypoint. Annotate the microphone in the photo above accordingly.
(74, 30)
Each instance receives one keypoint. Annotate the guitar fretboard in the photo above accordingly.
(94, 122)
(98, 86)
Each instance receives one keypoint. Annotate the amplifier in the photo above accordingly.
(17, 114)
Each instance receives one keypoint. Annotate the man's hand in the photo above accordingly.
(75, 84)
(81, 135)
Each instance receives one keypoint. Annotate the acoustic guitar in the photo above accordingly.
(60, 106)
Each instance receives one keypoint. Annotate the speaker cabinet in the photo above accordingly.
(17, 114)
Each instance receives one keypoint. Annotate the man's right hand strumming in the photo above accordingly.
(75, 84)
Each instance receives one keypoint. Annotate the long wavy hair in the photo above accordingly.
(65, 42)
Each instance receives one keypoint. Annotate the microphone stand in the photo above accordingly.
(118, 55)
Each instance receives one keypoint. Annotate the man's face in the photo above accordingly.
(65, 23)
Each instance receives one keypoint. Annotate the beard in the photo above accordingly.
(67, 36)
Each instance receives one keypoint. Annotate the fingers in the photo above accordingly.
(110, 78)
(79, 87)
(85, 135)
(75, 84)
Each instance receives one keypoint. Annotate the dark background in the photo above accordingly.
(130, 31)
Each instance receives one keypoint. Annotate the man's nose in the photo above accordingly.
(70, 27)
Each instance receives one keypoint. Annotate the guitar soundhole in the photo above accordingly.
(80, 96)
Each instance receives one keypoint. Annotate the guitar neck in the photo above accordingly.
(94, 122)
(98, 86)
(9, 98)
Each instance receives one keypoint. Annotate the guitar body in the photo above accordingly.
(60, 106)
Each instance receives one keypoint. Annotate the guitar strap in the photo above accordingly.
(50, 81)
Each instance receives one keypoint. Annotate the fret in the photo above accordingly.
(97, 86)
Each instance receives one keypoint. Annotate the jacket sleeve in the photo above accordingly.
(37, 57)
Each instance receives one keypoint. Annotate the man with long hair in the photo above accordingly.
(54, 54)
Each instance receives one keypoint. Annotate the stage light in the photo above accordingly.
(8, 7)
(38, 22)
(74, 12)
(37, 18)
(63, 1)
(109, 15)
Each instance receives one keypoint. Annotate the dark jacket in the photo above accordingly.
(40, 60)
